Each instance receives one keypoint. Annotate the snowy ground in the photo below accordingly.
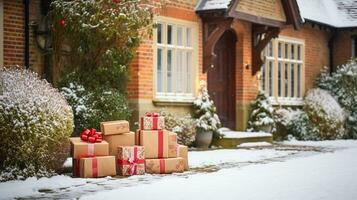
(289, 170)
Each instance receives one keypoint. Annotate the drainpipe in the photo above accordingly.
(27, 33)
(331, 49)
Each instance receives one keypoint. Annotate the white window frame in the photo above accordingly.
(1, 33)
(273, 95)
(175, 96)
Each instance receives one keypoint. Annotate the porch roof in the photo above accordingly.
(334, 13)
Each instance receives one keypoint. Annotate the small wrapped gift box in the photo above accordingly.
(93, 167)
(124, 139)
(155, 142)
(182, 151)
(164, 166)
(80, 148)
(152, 121)
(114, 127)
(173, 146)
(131, 160)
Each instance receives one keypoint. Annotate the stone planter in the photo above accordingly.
(203, 139)
(266, 128)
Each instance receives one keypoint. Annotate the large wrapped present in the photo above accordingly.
(82, 149)
(155, 143)
(182, 151)
(131, 160)
(164, 166)
(124, 139)
(114, 127)
(152, 121)
(173, 146)
(97, 166)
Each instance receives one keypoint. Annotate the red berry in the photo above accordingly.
(116, 1)
(62, 22)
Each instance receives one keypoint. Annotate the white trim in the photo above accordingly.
(1, 33)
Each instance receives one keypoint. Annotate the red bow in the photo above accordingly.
(152, 114)
(91, 136)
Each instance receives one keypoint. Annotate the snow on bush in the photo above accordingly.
(35, 123)
(262, 115)
(205, 112)
(184, 127)
(325, 113)
(342, 84)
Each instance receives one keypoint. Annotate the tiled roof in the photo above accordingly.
(335, 13)
(205, 5)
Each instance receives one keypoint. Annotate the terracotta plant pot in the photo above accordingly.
(203, 139)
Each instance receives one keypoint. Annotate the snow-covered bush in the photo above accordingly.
(262, 115)
(325, 114)
(184, 127)
(35, 124)
(205, 112)
(342, 84)
(90, 107)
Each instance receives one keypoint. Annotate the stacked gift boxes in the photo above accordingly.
(162, 153)
(116, 150)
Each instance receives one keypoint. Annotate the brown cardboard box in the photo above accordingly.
(100, 166)
(125, 139)
(114, 127)
(82, 148)
(164, 166)
(151, 140)
(182, 152)
(152, 123)
(131, 160)
(173, 145)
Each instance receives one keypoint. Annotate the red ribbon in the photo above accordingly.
(94, 167)
(133, 161)
(162, 166)
(152, 114)
(160, 148)
(91, 136)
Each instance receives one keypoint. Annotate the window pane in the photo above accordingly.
(270, 49)
(299, 52)
(179, 72)
(280, 50)
(299, 81)
(292, 52)
(189, 72)
(189, 37)
(279, 79)
(292, 78)
(263, 78)
(179, 36)
(286, 79)
(159, 33)
(270, 78)
(286, 51)
(159, 70)
(169, 34)
(169, 70)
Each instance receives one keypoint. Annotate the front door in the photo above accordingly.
(221, 79)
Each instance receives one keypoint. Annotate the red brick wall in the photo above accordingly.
(14, 37)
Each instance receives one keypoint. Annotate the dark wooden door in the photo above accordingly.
(221, 79)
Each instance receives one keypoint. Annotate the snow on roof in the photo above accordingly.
(204, 5)
(335, 13)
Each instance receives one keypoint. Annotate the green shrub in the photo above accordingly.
(342, 84)
(185, 127)
(325, 114)
(35, 124)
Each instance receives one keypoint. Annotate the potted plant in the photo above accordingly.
(207, 121)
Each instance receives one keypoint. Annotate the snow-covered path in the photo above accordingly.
(282, 172)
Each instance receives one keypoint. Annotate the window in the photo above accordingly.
(354, 46)
(175, 59)
(282, 74)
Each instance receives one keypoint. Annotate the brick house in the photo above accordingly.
(235, 46)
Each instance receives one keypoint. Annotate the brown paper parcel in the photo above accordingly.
(182, 152)
(152, 123)
(81, 148)
(114, 127)
(100, 166)
(164, 166)
(128, 163)
(173, 146)
(125, 139)
(155, 143)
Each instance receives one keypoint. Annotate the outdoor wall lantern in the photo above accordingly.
(43, 35)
